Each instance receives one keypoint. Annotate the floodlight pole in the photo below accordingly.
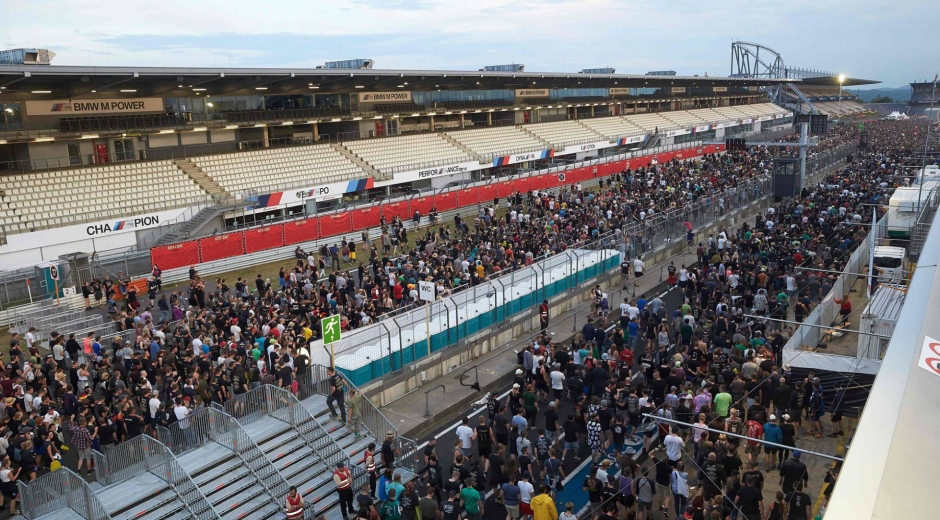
(804, 143)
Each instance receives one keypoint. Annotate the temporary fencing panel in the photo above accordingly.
(366, 218)
(523, 185)
(505, 189)
(176, 255)
(301, 231)
(397, 209)
(222, 246)
(445, 201)
(335, 224)
(260, 239)
(488, 193)
(466, 197)
(541, 182)
(422, 205)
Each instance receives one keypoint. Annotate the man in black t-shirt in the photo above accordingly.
(798, 503)
(750, 500)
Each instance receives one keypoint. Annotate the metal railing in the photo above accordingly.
(427, 399)
(269, 400)
(214, 425)
(146, 454)
(58, 490)
(317, 383)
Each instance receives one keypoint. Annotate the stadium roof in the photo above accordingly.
(890, 470)
(79, 80)
(833, 81)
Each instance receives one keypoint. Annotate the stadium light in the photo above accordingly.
(231, 127)
(199, 90)
(43, 139)
(261, 88)
(841, 78)
(360, 86)
(167, 131)
(90, 136)
(42, 92)
(200, 129)
(128, 90)
(3, 141)
(8, 110)
(401, 86)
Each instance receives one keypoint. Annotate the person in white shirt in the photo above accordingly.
(236, 332)
(465, 434)
(197, 346)
(558, 381)
(154, 404)
(674, 445)
(638, 266)
(182, 417)
(30, 338)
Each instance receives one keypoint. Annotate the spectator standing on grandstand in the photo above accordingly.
(543, 315)
(336, 395)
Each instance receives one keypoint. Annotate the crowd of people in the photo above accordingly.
(189, 347)
(698, 387)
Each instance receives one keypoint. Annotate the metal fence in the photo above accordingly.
(146, 454)
(15, 285)
(58, 490)
(317, 382)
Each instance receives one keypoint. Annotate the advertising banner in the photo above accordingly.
(586, 147)
(702, 128)
(181, 254)
(523, 157)
(336, 224)
(397, 209)
(385, 97)
(74, 107)
(531, 92)
(624, 141)
(467, 196)
(366, 218)
(263, 238)
(301, 231)
(618, 91)
(220, 247)
(437, 171)
(445, 201)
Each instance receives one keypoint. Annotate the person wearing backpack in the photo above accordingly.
(645, 490)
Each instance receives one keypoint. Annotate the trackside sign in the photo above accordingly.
(384, 97)
(93, 106)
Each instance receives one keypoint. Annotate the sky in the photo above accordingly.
(886, 41)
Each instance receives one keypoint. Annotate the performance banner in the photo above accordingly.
(624, 141)
(586, 147)
(523, 157)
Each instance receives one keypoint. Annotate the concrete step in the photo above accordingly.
(458, 144)
(200, 177)
(366, 167)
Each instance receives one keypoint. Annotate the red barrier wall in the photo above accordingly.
(301, 231)
(398, 209)
(222, 246)
(366, 218)
(445, 201)
(505, 189)
(488, 193)
(335, 224)
(466, 197)
(421, 204)
(267, 237)
(176, 255)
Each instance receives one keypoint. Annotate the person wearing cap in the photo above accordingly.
(792, 471)
(772, 433)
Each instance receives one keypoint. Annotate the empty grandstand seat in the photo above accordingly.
(650, 122)
(493, 142)
(612, 127)
(40, 200)
(268, 169)
(409, 151)
(562, 132)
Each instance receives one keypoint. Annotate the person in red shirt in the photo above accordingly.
(845, 309)
(754, 430)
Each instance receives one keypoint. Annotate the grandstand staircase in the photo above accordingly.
(533, 136)
(460, 145)
(651, 142)
(201, 178)
(366, 167)
(186, 228)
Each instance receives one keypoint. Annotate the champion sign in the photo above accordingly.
(122, 225)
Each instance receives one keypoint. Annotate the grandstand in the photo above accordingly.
(29, 202)
(407, 152)
(652, 122)
(491, 142)
(613, 127)
(238, 172)
(562, 132)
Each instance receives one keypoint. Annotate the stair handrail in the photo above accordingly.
(144, 453)
(56, 490)
(213, 424)
(375, 421)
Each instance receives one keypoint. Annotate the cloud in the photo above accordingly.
(861, 38)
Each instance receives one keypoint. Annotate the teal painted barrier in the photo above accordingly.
(396, 359)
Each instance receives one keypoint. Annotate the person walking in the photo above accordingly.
(336, 395)
(543, 506)
(354, 404)
(342, 477)
(81, 440)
